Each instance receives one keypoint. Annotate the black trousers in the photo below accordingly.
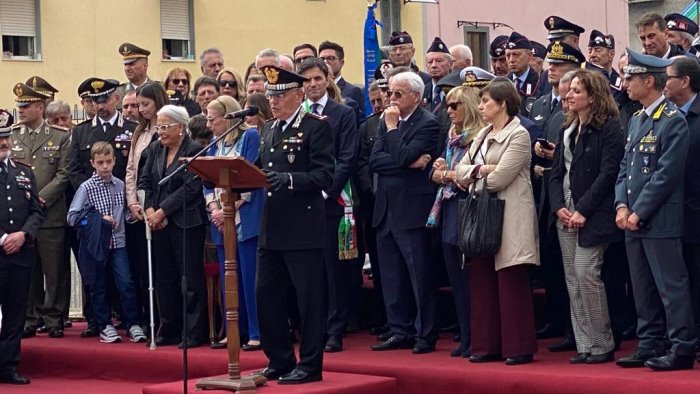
(138, 263)
(14, 288)
(552, 270)
(691, 255)
(167, 250)
(459, 281)
(278, 271)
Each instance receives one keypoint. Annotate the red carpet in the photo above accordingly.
(75, 365)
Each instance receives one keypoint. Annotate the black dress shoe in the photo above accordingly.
(55, 332)
(601, 358)
(334, 344)
(485, 358)
(90, 332)
(220, 345)
(393, 343)
(519, 360)
(28, 332)
(14, 378)
(459, 352)
(272, 373)
(378, 330)
(42, 330)
(251, 348)
(566, 345)
(549, 331)
(298, 376)
(579, 358)
(423, 346)
(671, 362)
(384, 336)
(637, 359)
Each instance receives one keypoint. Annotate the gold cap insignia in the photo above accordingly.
(34, 82)
(97, 85)
(469, 76)
(551, 23)
(557, 49)
(125, 51)
(272, 75)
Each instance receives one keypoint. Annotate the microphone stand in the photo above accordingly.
(183, 285)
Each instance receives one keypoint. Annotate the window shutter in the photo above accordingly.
(174, 19)
(18, 18)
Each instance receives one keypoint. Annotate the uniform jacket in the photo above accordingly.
(84, 137)
(169, 196)
(408, 193)
(345, 149)
(23, 212)
(594, 169)
(692, 172)
(294, 219)
(48, 158)
(529, 91)
(651, 175)
(510, 151)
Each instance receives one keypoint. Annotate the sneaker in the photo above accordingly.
(109, 335)
(136, 334)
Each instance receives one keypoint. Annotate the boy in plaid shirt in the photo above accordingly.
(105, 193)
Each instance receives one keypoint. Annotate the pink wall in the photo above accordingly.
(527, 17)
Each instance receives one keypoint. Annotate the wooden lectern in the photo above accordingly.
(231, 174)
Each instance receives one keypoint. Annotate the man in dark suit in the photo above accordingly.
(682, 89)
(342, 273)
(297, 153)
(649, 203)
(526, 80)
(561, 58)
(652, 30)
(334, 56)
(405, 146)
(20, 219)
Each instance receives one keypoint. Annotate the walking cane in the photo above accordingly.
(142, 198)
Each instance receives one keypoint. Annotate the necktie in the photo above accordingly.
(277, 135)
(3, 172)
(436, 97)
(315, 108)
(643, 117)
(105, 126)
(32, 135)
(555, 102)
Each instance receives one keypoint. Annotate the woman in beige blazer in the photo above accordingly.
(502, 317)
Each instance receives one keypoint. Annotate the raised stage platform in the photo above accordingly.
(76, 365)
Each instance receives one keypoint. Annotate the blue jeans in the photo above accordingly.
(246, 255)
(118, 262)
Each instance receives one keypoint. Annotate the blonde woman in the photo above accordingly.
(231, 84)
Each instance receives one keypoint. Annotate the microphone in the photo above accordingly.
(250, 111)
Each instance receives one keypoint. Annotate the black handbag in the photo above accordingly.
(480, 222)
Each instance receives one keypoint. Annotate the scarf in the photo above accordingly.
(457, 146)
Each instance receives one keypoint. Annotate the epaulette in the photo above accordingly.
(57, 127)
(670, 112)
(659, 111)
(16, 126)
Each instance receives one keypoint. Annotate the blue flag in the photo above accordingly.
(373, 56)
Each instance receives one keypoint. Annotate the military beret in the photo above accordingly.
(26, 95)
(518, 41)
(679, 22)
(132, 53)
(6, 118)
(638, 63)
(41, 85)
(280, 80)
(438, 46)
(538, 50)
(598, 39)
(100, 89)
(498, 47)
(558, 27)
(560, 52)
(475, 77)
(400, 37)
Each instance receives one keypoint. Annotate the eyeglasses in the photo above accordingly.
(397, 94)
(328, 58)
(301, 59)
(162, 128)
(453, 106)
(213, 118)
(230, 84)
(180, 81)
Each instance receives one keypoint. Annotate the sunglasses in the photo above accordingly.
(230, 84)
(397, 94)
(453, 106)
(180, 81)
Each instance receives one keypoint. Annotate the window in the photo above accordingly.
(477, 39)
(18, 25)
(176, 27)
